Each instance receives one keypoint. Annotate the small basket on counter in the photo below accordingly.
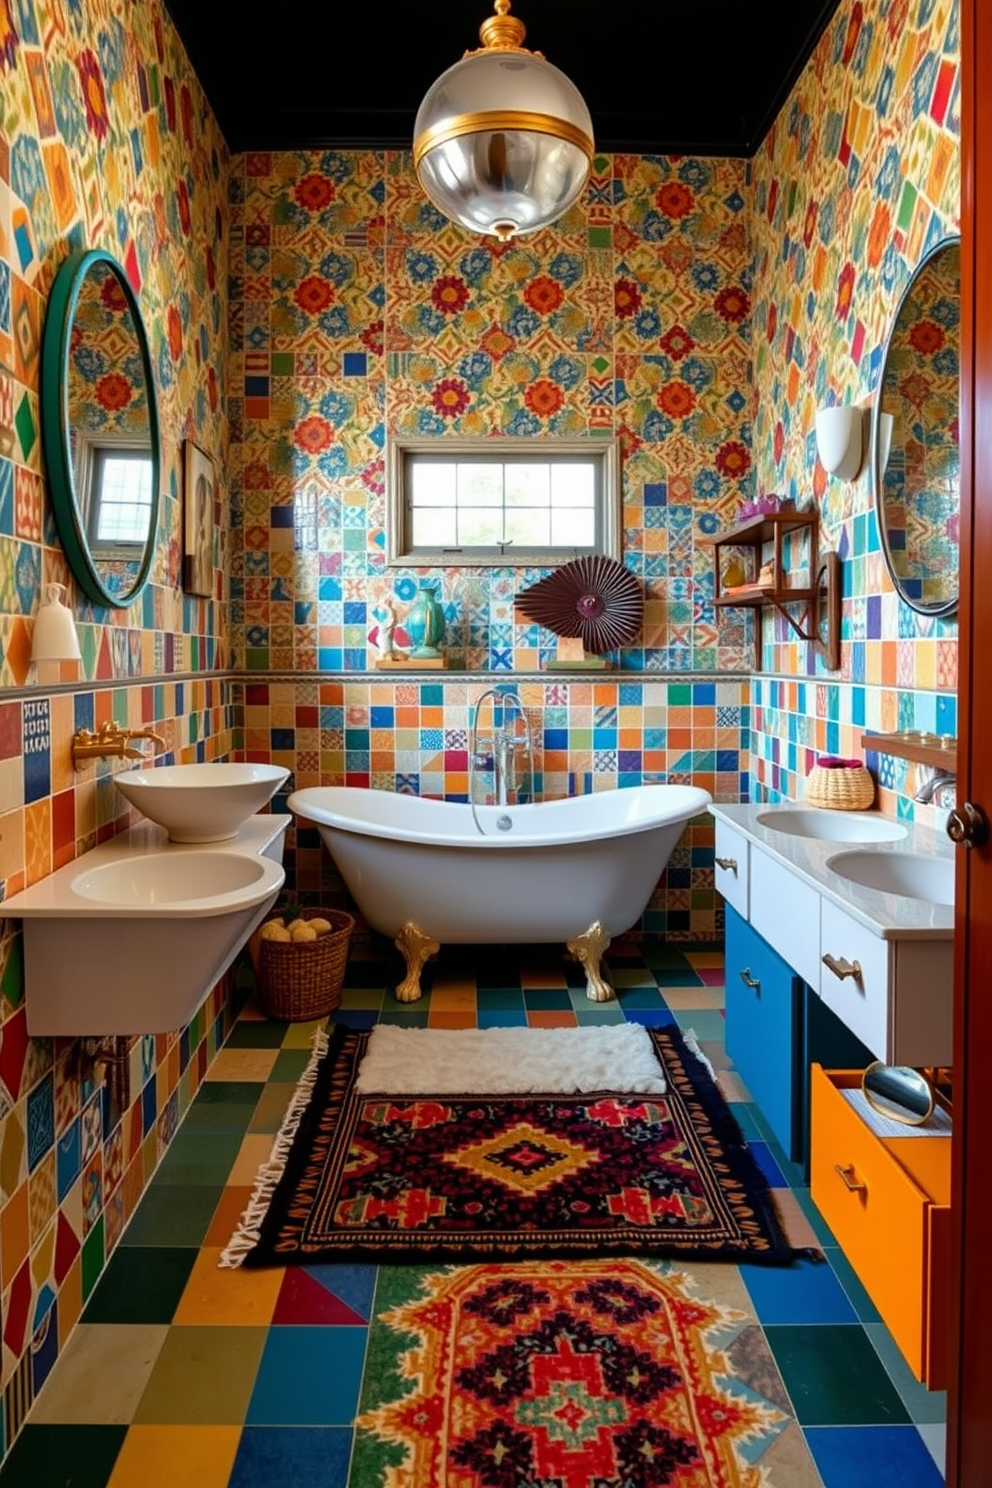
(840, 784)
(301, 971)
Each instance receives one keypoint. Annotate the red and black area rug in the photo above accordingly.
(483, 1177)
(581, 1374)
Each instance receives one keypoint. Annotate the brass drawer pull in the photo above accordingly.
(728, 864)
(847, 1177)
(749, 981)
(842, 968)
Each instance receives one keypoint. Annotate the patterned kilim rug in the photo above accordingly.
(493, 1177)
(582, 1374)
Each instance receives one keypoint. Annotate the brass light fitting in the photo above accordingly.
(503, 140)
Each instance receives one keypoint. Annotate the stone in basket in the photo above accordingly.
(302, 962)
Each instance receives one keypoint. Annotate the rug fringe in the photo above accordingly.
(691, 1041)
(248, 1232)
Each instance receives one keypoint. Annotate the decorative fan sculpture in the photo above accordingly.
(594, 599)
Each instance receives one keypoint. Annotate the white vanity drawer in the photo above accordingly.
(731, 866)
(901, 1003)
(857, 986)
(786, 912)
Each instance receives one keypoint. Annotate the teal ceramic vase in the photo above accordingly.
(424, 623)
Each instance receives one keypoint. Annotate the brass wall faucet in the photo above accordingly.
(112, 740)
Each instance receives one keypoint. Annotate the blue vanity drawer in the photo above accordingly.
(764, 1017)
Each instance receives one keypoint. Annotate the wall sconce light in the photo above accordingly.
(502, 142)
(54, 636)
(840, 440)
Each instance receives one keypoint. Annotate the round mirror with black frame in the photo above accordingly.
(99, 426)
(914, 445)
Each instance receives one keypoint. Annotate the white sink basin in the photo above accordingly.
(831, 826)
(195, 881)
(201, 802)
(912, 875)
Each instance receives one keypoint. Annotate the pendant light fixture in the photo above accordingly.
(503, 142)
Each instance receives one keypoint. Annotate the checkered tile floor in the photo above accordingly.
(181, 1375)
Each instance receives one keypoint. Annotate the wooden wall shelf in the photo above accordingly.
(939, 751)
(820, 621)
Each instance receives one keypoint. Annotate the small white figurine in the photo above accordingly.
(386, 616)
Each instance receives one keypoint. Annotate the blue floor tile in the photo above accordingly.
(633, 998)
(805, 1292)
(357, 1017)
(502, 1018)
(352, 1282)
(499, 999)
(288, 1456)
(763, 1156)
(308, 1377)
(649, 1017)
(882, 1456)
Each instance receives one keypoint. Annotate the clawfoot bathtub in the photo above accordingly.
(579, 870)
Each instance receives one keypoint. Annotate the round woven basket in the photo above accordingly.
(300, 980)
(840, 789)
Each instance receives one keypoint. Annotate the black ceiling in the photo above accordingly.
(696, 77)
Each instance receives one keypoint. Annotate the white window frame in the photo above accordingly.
(400, 551)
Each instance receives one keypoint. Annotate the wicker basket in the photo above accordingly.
(300, 980)
(840, 788)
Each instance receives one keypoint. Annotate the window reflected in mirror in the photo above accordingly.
(915, 440)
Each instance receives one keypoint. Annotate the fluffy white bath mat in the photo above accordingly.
(510, 1061)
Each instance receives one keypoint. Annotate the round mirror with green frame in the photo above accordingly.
(914, 447)
(99, 426)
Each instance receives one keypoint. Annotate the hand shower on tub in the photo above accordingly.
(499, 751)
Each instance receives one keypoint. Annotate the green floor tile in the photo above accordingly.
(62, 1457)
(290, 1064)
(141, 1284)
(228, 1092)
(924, 1406)
(406, 1020)
(256, 1033)
(706, 1023)
(362, 997)
(172, 1214)
(203, 1376)
(269, 1113)
(219, 1116)
(834, 1377)
(199, 1157)
(593, 1013)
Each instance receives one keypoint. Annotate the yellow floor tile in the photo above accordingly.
(693, 997)
(233, 1202)
(456, 1000)
(255, 1150)
(301, 1035)
(243, 1064)
(731, 1086)
(164, 1456)
(705, 960)
(102, 1373)
(215, 1295)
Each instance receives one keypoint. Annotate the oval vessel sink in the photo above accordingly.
(198, 882)
(830, 826)
(201, 802)
(912, 875)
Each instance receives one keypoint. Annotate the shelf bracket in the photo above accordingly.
(820, 624)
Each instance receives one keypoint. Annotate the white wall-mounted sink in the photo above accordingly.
(831, 826)
(909, 874)
(201, 802)
(131, 937)
(198, 883)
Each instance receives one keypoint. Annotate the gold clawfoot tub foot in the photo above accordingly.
(416, 947)
(589, 948)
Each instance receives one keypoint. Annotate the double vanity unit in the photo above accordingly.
(839, 952)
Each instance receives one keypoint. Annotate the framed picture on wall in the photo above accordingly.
(198, 521)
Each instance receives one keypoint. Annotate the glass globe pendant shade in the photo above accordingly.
(503, 140)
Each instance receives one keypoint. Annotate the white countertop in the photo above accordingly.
(891, 916)
(54, 896)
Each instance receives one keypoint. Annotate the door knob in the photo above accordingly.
(967, 825)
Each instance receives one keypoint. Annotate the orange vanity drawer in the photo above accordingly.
(887, 1201)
